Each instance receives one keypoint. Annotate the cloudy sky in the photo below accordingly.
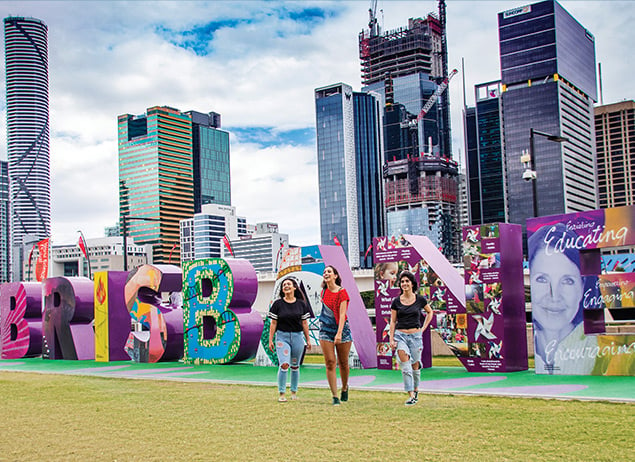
(257, 64)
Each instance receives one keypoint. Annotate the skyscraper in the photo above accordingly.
(171, 164)
(5, 241)
(26, 58)
(407, 67)
(615, 141)
(349, 170)
(484, 148)
(211, 167)
(549, 85)
(156, 178)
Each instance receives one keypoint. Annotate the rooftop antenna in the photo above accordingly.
(600, 82)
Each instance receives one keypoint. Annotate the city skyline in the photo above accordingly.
(257, 64)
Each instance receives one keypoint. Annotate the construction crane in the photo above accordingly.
(372, 23)
(433, 99)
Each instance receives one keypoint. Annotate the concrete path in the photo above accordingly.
(444, 380)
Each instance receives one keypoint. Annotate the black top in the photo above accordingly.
(289, 315)
(409, 317)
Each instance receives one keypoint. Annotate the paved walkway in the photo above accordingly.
(444, 380)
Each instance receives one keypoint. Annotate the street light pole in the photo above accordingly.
(532, 163)
(124, 232)
(529, 162)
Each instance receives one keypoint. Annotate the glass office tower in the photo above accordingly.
(26, 59)
(485, 162)
(156, 178)
(370, 200)
(549, 85)
(210, 148)
(349, 170)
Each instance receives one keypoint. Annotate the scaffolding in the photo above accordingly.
(402, 51)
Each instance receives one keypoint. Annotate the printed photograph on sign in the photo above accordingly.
(490, 231)
(474, 298)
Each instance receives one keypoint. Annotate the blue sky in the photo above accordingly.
(257, 64)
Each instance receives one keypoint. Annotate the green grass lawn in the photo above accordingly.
(56, 417)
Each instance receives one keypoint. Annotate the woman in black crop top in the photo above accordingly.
(406, 333)
(289, 322)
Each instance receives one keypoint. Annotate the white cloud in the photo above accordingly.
(110, 58)
(278, 184)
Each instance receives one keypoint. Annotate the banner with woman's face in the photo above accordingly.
(570, 292)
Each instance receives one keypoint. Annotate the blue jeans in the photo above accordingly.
(289, 347)
(328, 327)
(412, 345)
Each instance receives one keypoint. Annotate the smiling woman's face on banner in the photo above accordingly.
(556, 290)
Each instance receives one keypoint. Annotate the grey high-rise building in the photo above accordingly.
(549, 86)
(615, 141)
(5, 242)
(26, 58)
(349, 168)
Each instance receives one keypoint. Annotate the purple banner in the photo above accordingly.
(570, 293)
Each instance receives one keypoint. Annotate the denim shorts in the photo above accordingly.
(328, 327)
(412, 344)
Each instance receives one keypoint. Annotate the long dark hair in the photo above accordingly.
(296, 289)
(338, 279)
(411, 277)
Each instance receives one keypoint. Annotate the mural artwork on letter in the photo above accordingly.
(468, 315)
(158, 322)
(112, 320)
(20, 319)
(221, 326)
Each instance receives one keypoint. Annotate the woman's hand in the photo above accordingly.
(308, 346)
(338, 338)
(393, 344)
(271, 345)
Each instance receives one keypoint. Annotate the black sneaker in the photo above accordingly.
(416, 397)
(411, 401)
(336, 401)
(344, 396)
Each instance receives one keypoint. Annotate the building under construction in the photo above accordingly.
(408, 68)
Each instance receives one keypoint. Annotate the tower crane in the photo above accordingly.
(433, 98)
(372, 23)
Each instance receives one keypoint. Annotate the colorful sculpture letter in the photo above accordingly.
(112, 320)
(20, 319)
(67, 319)
(159, 334)
(221, 327)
